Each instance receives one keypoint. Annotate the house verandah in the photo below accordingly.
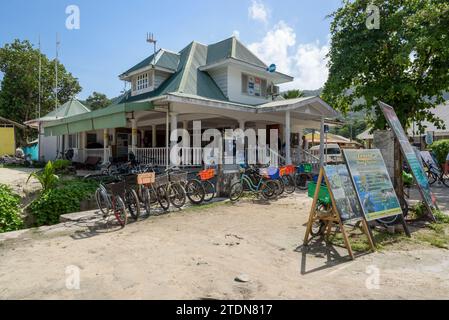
(144, 128)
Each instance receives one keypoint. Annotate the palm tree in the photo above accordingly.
(293, 94)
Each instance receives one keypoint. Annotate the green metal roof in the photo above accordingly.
(70, 108)
(110, 117)
(187, 78)
(232, 48)
(164, 59)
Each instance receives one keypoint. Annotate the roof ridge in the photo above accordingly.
(186, 68)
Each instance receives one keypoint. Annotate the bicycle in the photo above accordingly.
(435, 174)
(108, 199)
(247, 183)
(170, 183)
(303, 176)
(210, 190)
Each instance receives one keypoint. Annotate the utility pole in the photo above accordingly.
(56, 71)
(40, 79)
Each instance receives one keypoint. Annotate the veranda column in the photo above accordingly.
(242, 124)
(153, 136)
(105, 145)
(322, 142)
(134, 135)
(173, 132)
(288, 155)
(187, 151)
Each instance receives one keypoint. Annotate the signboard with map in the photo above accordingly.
(372, 184)
(342, 189)
(410, 155)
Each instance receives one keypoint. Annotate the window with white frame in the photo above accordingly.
(73, 141)
(142, 81)
(254, 86)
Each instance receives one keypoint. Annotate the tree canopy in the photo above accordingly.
(404, 63)
(97, 101)
(19, 93)
(293, 94)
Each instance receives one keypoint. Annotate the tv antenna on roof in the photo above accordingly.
(151, 39)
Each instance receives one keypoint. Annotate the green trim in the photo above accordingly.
(113, 116)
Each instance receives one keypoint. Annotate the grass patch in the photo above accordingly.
(359, 241)
(208, 206)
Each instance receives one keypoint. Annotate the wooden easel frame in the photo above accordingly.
(333, 218)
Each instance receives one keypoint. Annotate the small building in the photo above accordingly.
(8, 136)
(223, 85)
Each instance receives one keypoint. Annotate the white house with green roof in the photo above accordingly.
(223, 85)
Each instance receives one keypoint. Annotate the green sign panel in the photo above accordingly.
(410, 155)
(372, 184)
(342, 189)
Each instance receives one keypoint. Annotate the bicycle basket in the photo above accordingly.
(117, 188)
(207, 174)
(161, 180)
(269, 173)
(178, 177)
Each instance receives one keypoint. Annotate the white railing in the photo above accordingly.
(155, 156)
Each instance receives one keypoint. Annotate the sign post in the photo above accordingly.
(344, 206)
(412, 160)
(372, 183)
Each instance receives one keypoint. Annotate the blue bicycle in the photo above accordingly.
(252, 181)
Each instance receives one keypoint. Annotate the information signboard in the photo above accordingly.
(372, 184)
(343, 192)
(410, 155)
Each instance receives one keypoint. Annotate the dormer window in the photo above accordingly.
(143, 82)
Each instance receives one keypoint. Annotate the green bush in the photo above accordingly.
(65, 198)
(441, 149)
(10, 219)
(61, 165)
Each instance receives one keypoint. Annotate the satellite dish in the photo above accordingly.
(272, 68)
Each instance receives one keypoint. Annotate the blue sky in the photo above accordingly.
(291, 33)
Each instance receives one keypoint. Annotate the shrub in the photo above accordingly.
(441, 149)
(10, 219)
(47, 177)
(61, 164)
(66, 198)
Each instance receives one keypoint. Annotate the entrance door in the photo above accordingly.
(122, 145)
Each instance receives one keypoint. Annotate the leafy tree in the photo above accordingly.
(351, 129)
(19, 63)
(97, 101)
(293, 94)
(404, 63)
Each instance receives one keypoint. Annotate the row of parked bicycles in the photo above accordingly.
(133, 189)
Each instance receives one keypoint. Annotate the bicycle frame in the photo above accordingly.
(247, 179)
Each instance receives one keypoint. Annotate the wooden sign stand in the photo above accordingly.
(333, 219)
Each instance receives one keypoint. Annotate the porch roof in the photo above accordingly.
(111, 117)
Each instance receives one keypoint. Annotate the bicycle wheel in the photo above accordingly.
(102, 202)
(120, 211)
(209, 191)
(302, 181)
(132, 203)
(289, 184)
(195, 191)
(177, 195)
(162, 198)
(318, 228)
(445, 179)
(146, 200)
(236, 191)
(268, 189)
(431, 177)
(281, 186)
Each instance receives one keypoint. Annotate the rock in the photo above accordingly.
(242, 278)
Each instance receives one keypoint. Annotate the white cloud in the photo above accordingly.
(258, 11)
(306, 62)
(236, 34)
(275, 46)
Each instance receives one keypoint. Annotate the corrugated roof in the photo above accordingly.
(71, 108)
(164, 59)
(187, 78)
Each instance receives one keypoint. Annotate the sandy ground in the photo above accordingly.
(198, 253)
(17, 178)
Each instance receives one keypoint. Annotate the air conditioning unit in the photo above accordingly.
(273, 90)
